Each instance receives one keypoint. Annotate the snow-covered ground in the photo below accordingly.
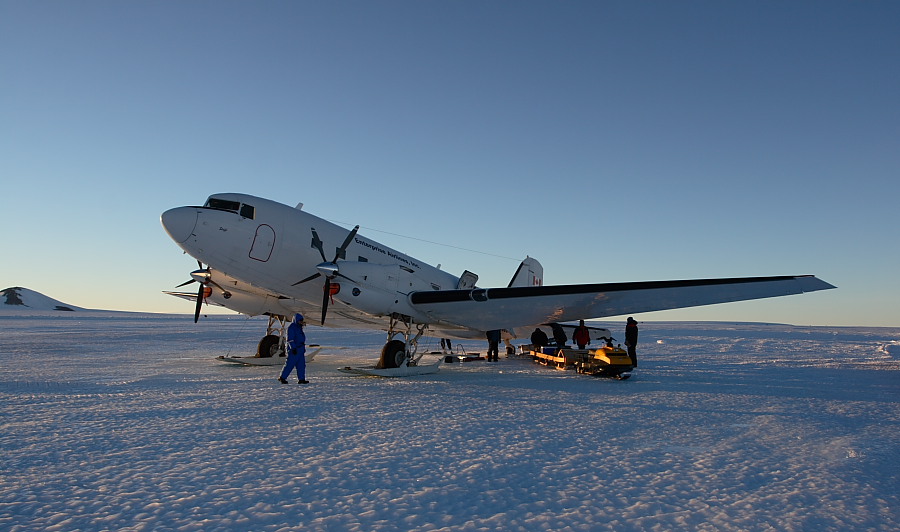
(114, 422)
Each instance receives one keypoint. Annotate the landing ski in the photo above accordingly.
(405, 371)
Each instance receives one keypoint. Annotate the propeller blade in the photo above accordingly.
(217, 285)
(317, 243)
(310, 278)
(326, 295)
(339, 274)
(342, 251)
(189, 281)
(199, 303)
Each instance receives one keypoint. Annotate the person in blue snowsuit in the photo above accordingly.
(296, 351)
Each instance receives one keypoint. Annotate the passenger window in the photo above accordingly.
(247, 211)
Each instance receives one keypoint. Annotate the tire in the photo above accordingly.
(268, 346)
(392, 355)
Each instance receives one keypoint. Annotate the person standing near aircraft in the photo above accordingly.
(493, 345)
(559, 336)
(582, 335)
(539, 339)
(631, 337)
(296, 351)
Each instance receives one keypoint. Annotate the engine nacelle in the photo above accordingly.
(243, 302)
(379, 289)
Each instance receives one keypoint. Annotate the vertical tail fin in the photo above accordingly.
(530, 273)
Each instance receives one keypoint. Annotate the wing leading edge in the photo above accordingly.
(491, 308)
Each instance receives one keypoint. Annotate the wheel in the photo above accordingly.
(268, 346)
(393, 354)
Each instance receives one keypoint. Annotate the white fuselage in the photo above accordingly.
(259, 250)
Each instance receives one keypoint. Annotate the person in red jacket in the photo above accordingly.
(582, 335)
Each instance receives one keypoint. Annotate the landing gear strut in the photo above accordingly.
(400, 353)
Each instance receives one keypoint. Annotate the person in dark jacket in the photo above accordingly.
(493, 338)
(559, 335)
(539, 339)
(631, 338)
(296, 351)
(581, 336)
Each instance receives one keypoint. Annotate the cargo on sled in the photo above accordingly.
(606, 361)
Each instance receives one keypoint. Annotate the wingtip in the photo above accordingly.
(811, 283)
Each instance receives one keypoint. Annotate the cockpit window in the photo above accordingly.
(224, 205)
(247, 211)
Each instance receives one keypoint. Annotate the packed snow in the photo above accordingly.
(116, 422)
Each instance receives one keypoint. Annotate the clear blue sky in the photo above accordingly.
(613, 141)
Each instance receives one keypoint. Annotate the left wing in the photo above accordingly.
(191, 296)
(495, 308)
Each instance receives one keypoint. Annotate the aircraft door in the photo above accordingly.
(263, 243)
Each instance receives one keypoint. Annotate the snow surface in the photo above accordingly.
(128, 422)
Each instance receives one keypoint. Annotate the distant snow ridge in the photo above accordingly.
(18, 298)
(892, 349)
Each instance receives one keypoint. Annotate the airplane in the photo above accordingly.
(267, 258)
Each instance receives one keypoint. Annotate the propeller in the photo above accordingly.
(204, 277)
(199, 302)
(193, 278)
(316, 243)
(328, 269)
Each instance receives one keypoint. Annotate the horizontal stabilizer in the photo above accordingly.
(597, 333)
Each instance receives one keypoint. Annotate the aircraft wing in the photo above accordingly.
(190, 296)
(495, 308)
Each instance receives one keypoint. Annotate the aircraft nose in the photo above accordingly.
(179, 222)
